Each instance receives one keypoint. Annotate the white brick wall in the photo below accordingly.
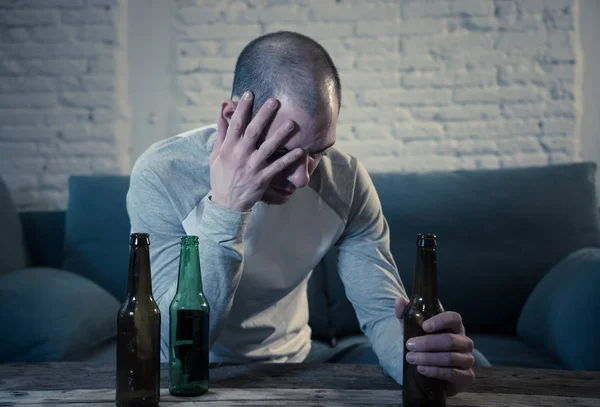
(58, 107)
(427, 84)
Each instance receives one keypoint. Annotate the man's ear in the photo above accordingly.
(228, 107)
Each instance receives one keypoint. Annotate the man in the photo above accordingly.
(268, 195)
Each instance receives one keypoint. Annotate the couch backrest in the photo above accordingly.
(499, 232)
(97, 231)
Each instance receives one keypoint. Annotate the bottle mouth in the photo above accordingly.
(426, 240)
(189, 240)
(139, 239)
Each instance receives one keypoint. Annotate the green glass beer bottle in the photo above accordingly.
(138, 333)
(419, 390)
(189, 326)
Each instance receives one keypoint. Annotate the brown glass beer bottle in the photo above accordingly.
(138, 333)
(419, 390)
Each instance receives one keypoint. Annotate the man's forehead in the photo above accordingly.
(311, 133)
(310, 142)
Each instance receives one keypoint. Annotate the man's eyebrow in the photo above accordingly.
(310, 152)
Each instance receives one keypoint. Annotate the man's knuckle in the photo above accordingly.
(262, 178)
(451, 341)
(236, 124)
(251, 166)
(470, 361)
(225, 153)
(236, 155)
(250, 132)
(283, 163)
(456, 316)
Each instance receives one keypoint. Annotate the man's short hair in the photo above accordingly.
(287, 64)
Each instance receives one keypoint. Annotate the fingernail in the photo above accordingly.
(289, 125)
(428, 326)
(247, 95)
(272, 104)
(411, 358)
(422, 369)
(410, 345)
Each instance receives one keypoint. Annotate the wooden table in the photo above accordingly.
(87, 385)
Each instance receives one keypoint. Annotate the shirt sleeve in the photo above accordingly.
(220, 234)
(370, 276)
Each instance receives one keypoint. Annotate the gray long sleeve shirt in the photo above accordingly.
(256, 265)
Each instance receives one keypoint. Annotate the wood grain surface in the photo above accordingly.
(85, 384)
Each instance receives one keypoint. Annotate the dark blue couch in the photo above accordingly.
(518, 257)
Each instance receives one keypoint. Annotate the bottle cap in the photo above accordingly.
(426, 240)
(139, 239)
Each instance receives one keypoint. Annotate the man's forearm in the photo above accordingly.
(386, 337)
(221, 247)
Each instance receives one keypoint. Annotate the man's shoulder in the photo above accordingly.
(176, 169)
(173, 156)
(335, 180)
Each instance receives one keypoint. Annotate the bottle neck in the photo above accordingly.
(140, 283)
(190, 279)
(425, 282)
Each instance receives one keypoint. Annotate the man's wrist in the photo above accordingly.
(222, 224)
(226, 205)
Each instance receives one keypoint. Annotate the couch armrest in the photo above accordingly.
(561, 314)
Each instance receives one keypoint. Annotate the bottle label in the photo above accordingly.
(191, 343)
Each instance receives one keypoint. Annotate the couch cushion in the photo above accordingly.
(44, 234)
(52, 315)
(343, 317)
(507, 350)
(13, 254)
(97, 231)
(562, 313)
(331, 315)
(318, 306)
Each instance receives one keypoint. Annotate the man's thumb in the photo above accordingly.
(399, 306)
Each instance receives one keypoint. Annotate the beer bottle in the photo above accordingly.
(419, 390)
(138, 333)
(189, 326)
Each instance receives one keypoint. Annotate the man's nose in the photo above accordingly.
(298, 174)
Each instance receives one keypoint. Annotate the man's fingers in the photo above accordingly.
(258, 124)
(440, 343)
(452, 375)
(400, 306)
(282, 163)
(240, 117)
(446, 321)
(270, 145)
(441, 359)
(222, 127)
